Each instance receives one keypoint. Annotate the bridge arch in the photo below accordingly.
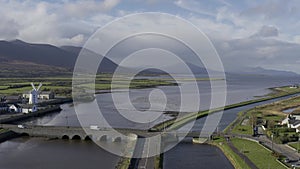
(65, 137)
(117, 139)
(88, 137)
(103, 138)
(76, 137)
(25, 134)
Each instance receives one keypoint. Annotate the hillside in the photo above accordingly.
(21, 59)
(18, 58)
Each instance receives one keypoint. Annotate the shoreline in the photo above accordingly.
(7, 135)
(182, 121)
(192, 116)
(230, 155)
(227, 151)
(30, 115)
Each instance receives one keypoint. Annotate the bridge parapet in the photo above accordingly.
(103, 134)
(62, 132)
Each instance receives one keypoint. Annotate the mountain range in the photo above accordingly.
(18, 59)
(22, 59)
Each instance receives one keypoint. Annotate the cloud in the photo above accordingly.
(192, 6)
(89, 7)
(9, 29)
(201, 7)
(252, 52)
(250, 33)
(267, 31)
(54, 22)
(273, 10)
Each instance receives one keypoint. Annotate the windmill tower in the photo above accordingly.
(34, 93)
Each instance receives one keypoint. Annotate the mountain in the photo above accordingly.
(18, 58)
(106, 64)
(21, 59)
(198, 70)
(36, 53)
(263, 71)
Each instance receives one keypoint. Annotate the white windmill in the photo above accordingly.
(33, 97)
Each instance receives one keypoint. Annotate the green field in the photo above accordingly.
(283, 90)
(242, 129)
(259, 155)
(234, 158)
(3, 130)
(295, 145)
(63, 85)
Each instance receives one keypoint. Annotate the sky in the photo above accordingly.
(252, 33)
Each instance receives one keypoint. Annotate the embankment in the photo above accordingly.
(6, 135)
(22, 117)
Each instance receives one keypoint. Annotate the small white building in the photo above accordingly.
(14, 108)
(289, 118)
(292, 121)
(29, 108)
(295, 124)
(44, 95)
(295, 86)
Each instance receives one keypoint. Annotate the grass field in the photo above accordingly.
(3, 130)
(235, 159)
(242, 129)
(123, 163)
(295, 145)
(283, 90)
(63, 85)
(259, 155)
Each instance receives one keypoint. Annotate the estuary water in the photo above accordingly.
(45, 154)
(40, 153)
(238, 90)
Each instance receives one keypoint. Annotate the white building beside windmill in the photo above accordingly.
(29, 108)
(36, 94)
(33, 96)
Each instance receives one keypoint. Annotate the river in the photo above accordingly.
(40, 153)
(45, 154)
(200, 153)
(238, 89)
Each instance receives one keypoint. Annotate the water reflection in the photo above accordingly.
(48, 154)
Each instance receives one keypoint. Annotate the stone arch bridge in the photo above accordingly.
(79, 133)
(74, 133)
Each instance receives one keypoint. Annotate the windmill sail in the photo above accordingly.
(33, 98)
(39, 87)
(33, 86)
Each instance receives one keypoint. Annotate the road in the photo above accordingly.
(138, 151)
(151, 149)
(280, 148)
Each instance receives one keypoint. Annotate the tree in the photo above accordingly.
(270, 124)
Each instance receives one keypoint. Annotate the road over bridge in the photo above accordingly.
(63, 132)
(103, 134)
